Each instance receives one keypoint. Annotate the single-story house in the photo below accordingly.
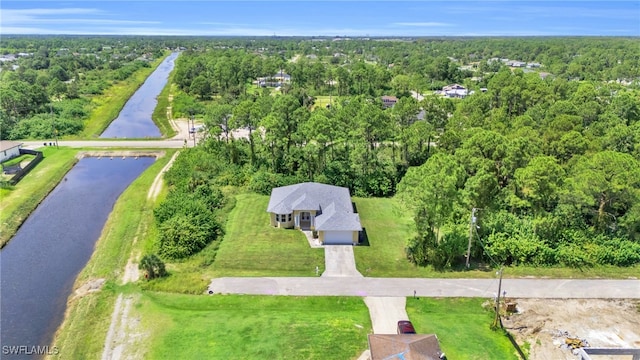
(405, 346)
(282, 76)
(455, 91)
(275, 80)
(323, 208)
(389, 101)
(9, 149)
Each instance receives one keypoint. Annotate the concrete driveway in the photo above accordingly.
(339, 261)
(385, 313)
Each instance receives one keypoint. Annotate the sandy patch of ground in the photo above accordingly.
(125, 333)
(156, 186)
(88, 288)
(131, 271)
(545, 324)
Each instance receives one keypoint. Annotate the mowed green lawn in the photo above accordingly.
(321, 101)
(388, 226)
(462, 327)
(253, 327)
(252, 247)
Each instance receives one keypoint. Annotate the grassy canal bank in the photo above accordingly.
(87, 319)
(20, 200)
(106, 107)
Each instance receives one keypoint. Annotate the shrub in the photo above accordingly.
(182, 236)
(153, 266)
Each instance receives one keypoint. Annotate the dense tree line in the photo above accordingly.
(552, 163)
(46, 90)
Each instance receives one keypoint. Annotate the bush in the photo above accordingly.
(182, 236)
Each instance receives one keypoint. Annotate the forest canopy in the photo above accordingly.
(542, 138)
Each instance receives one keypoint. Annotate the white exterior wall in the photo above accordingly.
(9, 153)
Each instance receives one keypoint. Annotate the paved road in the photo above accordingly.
(355, 286)
(151, 144)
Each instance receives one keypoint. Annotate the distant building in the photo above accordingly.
(388, 101)
(273, 81)
(516, 63)
(455, 91)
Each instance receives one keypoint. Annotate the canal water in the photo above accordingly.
(40, 264)
(134, 120)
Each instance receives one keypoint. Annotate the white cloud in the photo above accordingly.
(22, 16)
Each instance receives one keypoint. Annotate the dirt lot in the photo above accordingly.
(545, 324)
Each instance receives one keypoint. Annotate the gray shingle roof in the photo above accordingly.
(333, 201)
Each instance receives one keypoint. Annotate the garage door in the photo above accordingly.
(338, 237)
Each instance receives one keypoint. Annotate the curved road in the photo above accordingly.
(359, 286)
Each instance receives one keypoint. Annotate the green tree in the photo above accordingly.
(540, 182)
(604, 186)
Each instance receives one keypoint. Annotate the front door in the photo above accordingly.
(305, 220)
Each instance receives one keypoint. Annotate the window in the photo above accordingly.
(277, 217)
(289, 219)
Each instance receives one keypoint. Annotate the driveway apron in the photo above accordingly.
(339, 261)
(385, 313)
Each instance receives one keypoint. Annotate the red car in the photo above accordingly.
(405, 327)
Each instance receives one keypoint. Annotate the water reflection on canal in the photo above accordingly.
(40, 264)
(134, 120)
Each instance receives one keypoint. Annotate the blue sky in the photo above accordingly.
(327, 18)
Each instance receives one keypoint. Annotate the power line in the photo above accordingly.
(484, 250)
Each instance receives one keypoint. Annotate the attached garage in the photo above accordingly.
(338, 238)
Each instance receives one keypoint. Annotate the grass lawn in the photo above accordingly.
(388, 225)
(462, 327)
(19, 201)
(253, 327)
(321, 101)
(17, 160)
(252, 247)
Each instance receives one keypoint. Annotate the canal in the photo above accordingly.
(134, 120)
(39, 265)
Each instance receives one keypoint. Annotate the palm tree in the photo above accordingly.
(153, 266)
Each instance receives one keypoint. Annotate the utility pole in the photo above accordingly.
(497, 320)
(472, 223)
